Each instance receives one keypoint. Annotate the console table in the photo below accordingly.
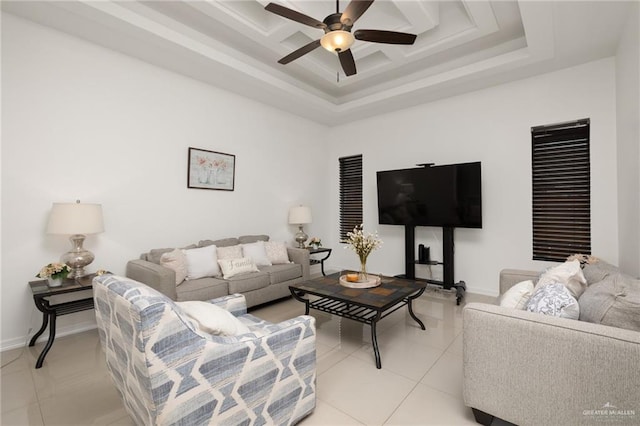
(41, 294)
(319, 261)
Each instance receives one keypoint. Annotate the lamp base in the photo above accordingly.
(78, 257)
(301, 237)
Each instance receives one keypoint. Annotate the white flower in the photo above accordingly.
(362, 244)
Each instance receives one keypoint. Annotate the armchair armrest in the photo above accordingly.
(529, 368)
(301, 257)
(234, 303)
(155, 276)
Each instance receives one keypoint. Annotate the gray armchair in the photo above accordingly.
(169, 372)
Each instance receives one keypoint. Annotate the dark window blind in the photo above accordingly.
(561, 190)
(350, 194)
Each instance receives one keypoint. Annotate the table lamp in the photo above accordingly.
(76, 219)
(300, 215)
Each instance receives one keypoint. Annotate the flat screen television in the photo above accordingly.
(443, 196)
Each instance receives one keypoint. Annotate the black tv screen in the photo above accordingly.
(446, 196)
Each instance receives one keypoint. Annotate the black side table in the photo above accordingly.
(320, 261)
(41, 294)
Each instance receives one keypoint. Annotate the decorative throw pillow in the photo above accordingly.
(567, 273)
(231, 252)
(232, 267)
(176, 261)
(614, 301)
(257, 253)
(554, 299)
(276, 252)
(213, 319)
(518, 295)
(202, 262)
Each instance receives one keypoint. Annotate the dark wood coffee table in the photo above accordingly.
(365, 305)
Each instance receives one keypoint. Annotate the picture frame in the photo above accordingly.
(211, 170)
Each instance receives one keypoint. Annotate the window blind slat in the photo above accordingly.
(561, 190)
(350, 194)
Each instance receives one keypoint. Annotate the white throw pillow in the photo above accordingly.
(276, 252)
(233, 267)
(518, 295)
(554, 299)
(568, 273)
(213, 319)
(202, 262)
(176, 261)
(257, 253)
(230, 252)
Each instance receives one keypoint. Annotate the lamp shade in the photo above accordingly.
(337, 40)
(299, 215)
(75, 218)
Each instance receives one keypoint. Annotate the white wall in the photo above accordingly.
(491, 126)
(81, 121)
(628, 127)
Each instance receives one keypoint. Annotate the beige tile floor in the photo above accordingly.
(420, 382)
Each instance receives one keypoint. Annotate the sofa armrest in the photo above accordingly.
(234, 303)
(533, 369)
(511, 277)
(155, 276)
(301, 257)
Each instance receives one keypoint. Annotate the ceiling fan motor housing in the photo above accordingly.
(333, 23)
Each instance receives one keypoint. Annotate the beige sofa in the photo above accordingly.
(270, 283)
(532, 369)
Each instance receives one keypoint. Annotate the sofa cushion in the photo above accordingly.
(276, 252)
(154, 255)
(554, 299)
(230, 252)
(518, 295)
(232, 267)
(202, 262)
(248, 282)
(596, 272)
(213, 319)
(256, 252)
(225, 242)
(568, 273)
(176, 261)
(202, 289)
(614, 301)
(248, 239)
(281, 273)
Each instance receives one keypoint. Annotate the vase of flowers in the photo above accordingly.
(54, 273)
(363, 245)
(315, 243)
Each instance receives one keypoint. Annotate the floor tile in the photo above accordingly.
(446, 375)
(325, 414)
(17, 390)
(360, 390)
(29, 415)
(428, 406)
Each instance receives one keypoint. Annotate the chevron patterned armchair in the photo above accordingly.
(169, 372)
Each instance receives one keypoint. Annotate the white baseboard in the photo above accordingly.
(19, 342)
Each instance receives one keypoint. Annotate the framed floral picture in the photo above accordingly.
(211, 170)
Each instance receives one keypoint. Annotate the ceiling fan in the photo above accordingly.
(338, 37)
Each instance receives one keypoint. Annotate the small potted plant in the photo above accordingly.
(315, 243)
(362, 245)
(55, 273)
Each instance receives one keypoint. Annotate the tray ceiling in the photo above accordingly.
(461, 45)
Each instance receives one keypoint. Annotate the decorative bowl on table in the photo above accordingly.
(357, 281)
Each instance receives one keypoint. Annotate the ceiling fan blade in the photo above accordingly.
(380, 36)
(297, 53)
(347, 62)
(354, 10)
(285, 12)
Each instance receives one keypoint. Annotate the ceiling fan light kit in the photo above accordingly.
(337, 41)
(338, 37)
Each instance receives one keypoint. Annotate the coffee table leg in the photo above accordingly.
(299, 298)
(410, 307)
(374, 341)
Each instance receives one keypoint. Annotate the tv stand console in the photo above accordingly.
(447, 262)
